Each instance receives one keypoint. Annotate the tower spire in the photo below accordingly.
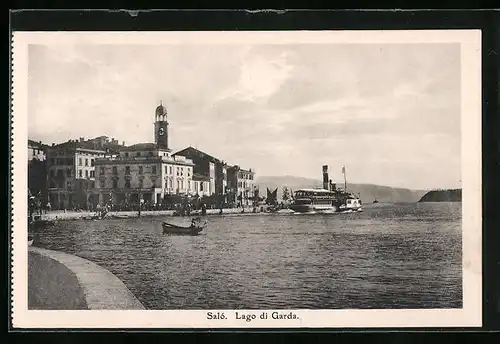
(161, 126)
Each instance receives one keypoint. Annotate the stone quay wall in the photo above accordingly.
(58, 280)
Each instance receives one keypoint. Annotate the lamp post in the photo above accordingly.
(141, 201)
(30, 215)
(87, 193)
(110, 201)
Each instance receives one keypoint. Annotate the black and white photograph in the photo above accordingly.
(247, 179)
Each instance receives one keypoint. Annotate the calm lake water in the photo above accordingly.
(389, 256)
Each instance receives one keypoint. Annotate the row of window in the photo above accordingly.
(92, 174)
(60, 184)
(80, 161)
(242, 175)
(69, 161)
(168, 184)
(242, 184)
(37, 151)
(150, 153)
(168, 170)
(60, 173)
(141, 170)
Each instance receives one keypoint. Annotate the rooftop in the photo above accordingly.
(238, 168)
(193, 151)
(39, 144)
(75, 144)
(161, 110)
(144, 147)
(179, 160)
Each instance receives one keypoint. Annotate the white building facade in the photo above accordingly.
(71, 174)
(146, 172)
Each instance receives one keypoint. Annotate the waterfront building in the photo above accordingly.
(148, 172)
(202, 185)
(37, 150)
(37, 169)
(212, 168)
(71, 174)
(242, 186)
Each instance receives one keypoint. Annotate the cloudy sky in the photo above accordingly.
(389, 112)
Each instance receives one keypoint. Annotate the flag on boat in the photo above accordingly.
(343, 169)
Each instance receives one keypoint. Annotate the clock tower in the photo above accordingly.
(161, 127)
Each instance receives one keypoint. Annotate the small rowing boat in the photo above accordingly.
(193, 229)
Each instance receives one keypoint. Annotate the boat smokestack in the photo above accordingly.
(326, 185)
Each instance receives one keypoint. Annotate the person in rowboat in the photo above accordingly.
(195, 222)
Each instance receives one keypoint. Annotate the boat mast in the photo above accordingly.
(345, 179)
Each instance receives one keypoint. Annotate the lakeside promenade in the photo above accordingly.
(75, 215)
(58, 280)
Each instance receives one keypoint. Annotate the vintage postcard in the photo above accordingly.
(293, 179)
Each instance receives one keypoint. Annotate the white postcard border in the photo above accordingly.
(469, 316)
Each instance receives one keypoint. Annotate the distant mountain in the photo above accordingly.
(368, 192)
(454, 195)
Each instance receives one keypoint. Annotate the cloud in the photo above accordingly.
(258, 78)
(281, 109)
(261, 77)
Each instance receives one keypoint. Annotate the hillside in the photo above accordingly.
(454, 195)
(368, 192)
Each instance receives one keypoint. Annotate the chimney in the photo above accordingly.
(325, 177)
(123, 143)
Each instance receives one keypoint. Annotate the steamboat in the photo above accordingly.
(328, 199)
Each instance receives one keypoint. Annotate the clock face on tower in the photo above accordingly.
(161, 131)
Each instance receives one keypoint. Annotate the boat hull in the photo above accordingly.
(350, 209)
(179, 230)
(311, 208)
